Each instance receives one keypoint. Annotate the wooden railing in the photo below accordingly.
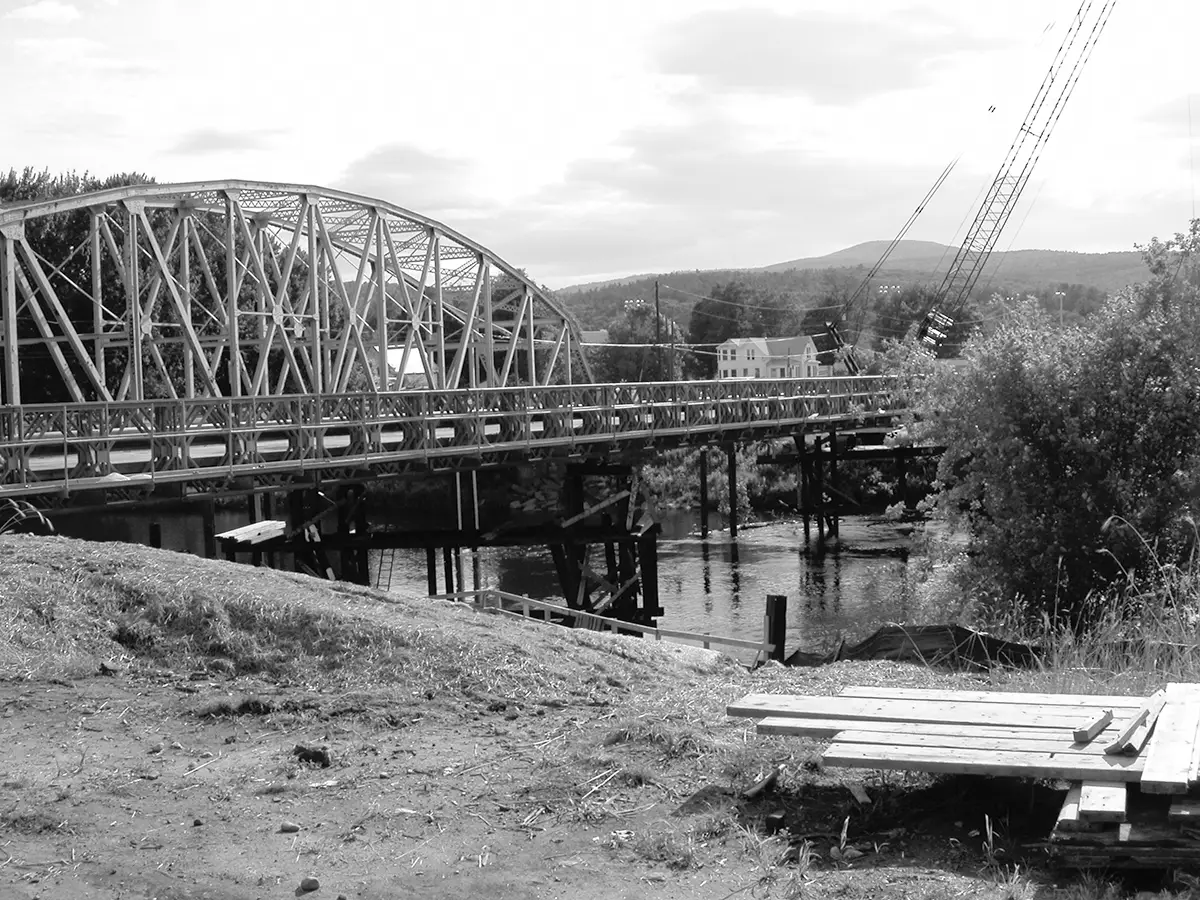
(492, 599)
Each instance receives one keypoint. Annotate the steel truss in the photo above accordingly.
(245, 289)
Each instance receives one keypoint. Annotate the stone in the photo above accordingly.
(289, 827)
(309, 884)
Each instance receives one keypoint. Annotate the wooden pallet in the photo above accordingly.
(1132, 760)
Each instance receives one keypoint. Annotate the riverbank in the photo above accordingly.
(154, 704)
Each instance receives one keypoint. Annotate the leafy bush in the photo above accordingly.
(1066, 446)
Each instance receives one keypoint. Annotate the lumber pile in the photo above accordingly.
(1132, 762)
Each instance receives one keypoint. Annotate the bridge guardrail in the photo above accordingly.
(58, 446)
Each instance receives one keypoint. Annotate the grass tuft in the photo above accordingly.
(676, 741)
(677, 851)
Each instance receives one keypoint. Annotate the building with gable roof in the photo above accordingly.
(762, 357)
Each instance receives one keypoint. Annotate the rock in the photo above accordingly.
(289, 827)
(309, 884)
(111, 667)
(196, 823)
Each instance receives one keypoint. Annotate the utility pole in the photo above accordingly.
(657, 334)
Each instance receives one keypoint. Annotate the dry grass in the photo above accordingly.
(65, 605)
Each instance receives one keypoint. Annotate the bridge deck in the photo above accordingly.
(55, 448)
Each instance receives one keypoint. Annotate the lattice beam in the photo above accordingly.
(232, 289)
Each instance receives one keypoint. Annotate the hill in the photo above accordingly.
(1018, 268)
(812, 280)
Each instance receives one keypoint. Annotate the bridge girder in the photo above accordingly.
(238, 288)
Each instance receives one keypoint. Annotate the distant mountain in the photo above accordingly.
(1015, 268)
(928, 261)
(867, 254)
(812, 280)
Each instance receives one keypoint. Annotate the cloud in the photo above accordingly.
(51, 11)
(425, 182)
(694, 193)
(204, 141)
(80, 53)
(832, 58)
(1173, 115)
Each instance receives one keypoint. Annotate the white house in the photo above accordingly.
(790, 357)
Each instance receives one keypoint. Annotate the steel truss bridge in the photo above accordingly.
(198, 333)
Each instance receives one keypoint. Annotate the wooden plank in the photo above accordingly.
(1048, 741)
(871, 709)
(1100, 701)
(817, 727)
(1136, 729)
(255, 532)
(1169, 754)
(1068, 815)
(1184, 810)
(1102, 802)
(1093, 726)
(1095, 767)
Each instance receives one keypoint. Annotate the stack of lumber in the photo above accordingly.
(1131, 761)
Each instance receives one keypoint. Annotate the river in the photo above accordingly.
(715, 585)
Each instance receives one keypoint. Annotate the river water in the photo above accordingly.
(715, 585)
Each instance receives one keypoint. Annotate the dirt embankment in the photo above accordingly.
(183, 728)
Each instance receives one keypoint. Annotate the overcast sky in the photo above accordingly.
(584, 140)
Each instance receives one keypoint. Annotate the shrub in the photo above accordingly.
(1066, 446)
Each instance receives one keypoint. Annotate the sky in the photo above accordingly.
(588, 140)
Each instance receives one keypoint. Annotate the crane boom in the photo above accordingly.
(1001, 198)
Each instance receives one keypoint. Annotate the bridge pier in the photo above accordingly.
(703, 493)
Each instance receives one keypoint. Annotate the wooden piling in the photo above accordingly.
(209, 527)
(733, 495)
(431, 570)
(648, 557)
(776, 620)
(818, 491)
(703, 493)
(834, 493)
(804, 488)
(156, 535)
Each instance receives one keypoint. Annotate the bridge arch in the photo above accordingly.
(246, 289)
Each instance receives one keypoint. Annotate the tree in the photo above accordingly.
(1071, 453)
(643, 361)
(53, 238)
(736, 309)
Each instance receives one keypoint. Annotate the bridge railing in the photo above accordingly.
(53, 446)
